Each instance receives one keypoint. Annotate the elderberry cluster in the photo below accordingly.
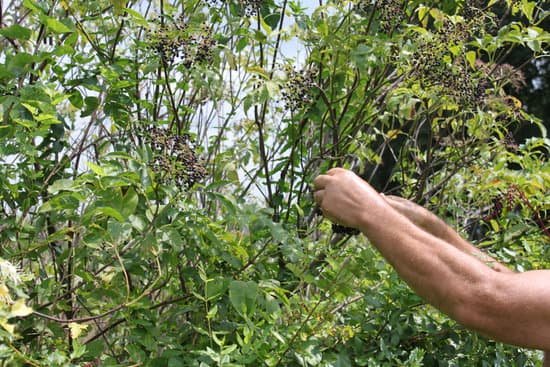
(454, 79)
(298, 89)
(479, 20)
(175, 42)
(174, 158)
(433, 64)
(247, 8)
(472, 10)
(390, 12)
(250, 7)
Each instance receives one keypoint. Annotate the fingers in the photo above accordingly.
(318, 196)
(396, 198)
(333, 171)
(321, 182)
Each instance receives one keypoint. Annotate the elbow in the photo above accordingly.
(482, 306)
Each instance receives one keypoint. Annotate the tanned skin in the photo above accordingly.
(441, 267)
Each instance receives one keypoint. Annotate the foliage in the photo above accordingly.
(157, 160)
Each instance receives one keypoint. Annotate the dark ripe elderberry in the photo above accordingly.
(250, 7)
(339, 229)
(298, 90)
(174, 158)
(391, 14)
(174, 41)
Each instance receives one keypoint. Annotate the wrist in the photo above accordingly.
(376, 215)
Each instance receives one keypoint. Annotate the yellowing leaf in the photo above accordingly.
(513, 102)
(4, 294)
(471, 57)
(119, 6)
(258, 70)
(423, 15)
(76, 329)
(392, 134)
(20, 309)
(9, 327)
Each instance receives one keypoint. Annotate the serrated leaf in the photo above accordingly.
(243, 296)
(59, 185)
(98, 170)
(54, 25)
(109, 212)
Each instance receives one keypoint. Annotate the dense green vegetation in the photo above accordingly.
(157, 157)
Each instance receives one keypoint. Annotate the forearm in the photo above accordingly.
(439, 273)
(437, 227)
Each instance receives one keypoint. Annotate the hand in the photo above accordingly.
(346, 199)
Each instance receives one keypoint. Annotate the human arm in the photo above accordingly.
(437, 227)
(510, 307)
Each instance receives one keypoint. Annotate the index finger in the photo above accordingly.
(321, 182)
(335, 170)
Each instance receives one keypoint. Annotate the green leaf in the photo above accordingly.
(423, 15)
(129, 203)
(528, 7)
(109, 212)
(119, 6)
(32, 5)
(137, 18)
(243, 296)
(54, 25)
(19, 62)
(96, 169)
(265, 26)
(91, 103)
(16, 32)
(76, 99)
(60, 185)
